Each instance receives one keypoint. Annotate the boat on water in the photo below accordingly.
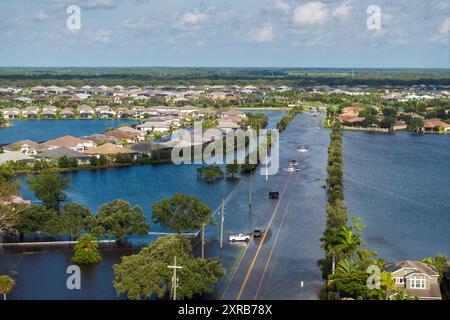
(292, 168)
(302, 149)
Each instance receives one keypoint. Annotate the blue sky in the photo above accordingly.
(228, 33)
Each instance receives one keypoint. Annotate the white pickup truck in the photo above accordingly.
(240, 237)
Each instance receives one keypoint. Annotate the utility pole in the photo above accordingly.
(250, 192)
(222, 218)
(203, 241)
(174, 277)
(267, 169)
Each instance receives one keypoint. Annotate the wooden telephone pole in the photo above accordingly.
(174, 277)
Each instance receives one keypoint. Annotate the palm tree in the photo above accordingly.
(349, 242)
(346, 266)
(330, 241)
(6, 285)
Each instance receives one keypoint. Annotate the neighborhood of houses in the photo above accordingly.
(352, 118)
(135, 141)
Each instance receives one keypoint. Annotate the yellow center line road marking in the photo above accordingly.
(242, 258)
(273, 247)
(244, 284)
(234, 272)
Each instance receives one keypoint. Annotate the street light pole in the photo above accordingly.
(203, 241)
(174, 277)
(222, 218)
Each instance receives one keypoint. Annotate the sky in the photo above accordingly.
(227, 33)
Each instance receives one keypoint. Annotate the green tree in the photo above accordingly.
(63, 162)
(86, 251)
(6, 285)
(73, 220)
(119, 219)
(349, 243)
(36, 218)
(330, 242)
(49, 188)
(145, 274)
(182, 213)
(233, 168)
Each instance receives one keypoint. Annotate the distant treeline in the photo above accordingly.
(28, 77)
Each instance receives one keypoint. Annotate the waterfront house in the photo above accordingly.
(67, 113)
(11, 113)
(105, 112)
(228, 126)
(351, 119)
(133, 130)
(14, 156)
(86, 112)
(27, 147)
(399, 125)
(435, 125)
(233, 114)
(101, 138)
(53, 155)
(129, 137)
(417, 278)
(49, 112)
(31, 112)
(154, 126)
(70, 142)
(109, 149)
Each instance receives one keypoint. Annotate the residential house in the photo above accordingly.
(109, 149)
(31, 112)
(105, 112)
(129, 137)
(27, 147)
(11, 113)
(101, 139)
(56, 153)
(67, 113)
(49, 112)
(133, 130)
(417, 278)
(435, 125)
(154, 126)
(70, 142)
(86, 112)
(15, 156)
(228, 126)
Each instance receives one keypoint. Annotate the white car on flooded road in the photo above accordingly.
(240, 238)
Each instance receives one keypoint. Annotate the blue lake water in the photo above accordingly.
(41, 130)
(399, 184)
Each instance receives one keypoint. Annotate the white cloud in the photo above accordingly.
(443, 5)
(41, 16)
(103, 36)
(311, 13)
(263, 33)
(193, 18)
(343, 10)
(282, 6)
(443, 34)
(445, 26)
(88, 4)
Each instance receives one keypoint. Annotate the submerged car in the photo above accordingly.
(240, 238)
(257, 233)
